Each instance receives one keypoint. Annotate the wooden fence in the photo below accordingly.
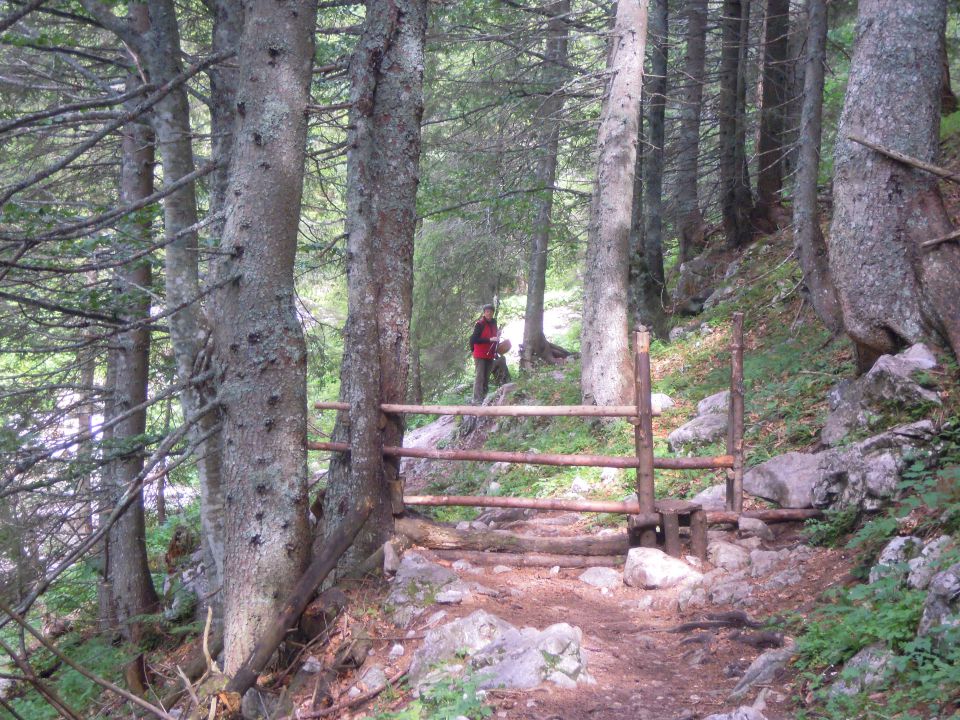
(647, 513)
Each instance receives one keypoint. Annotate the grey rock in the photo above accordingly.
(500, 655)
(579, 485)
(894, 557)
(677, 333)
(694, 284)
(449, 597)
(312, 665)
(727, 556)
(661, 401)
(787, 479)
(373, 677)
(763, 669)
(750, 543)
(691, 596)
(469, 634)
(741, 713)
(941, 609)
(716, 404)
(712, 498)
(719, 295)
(256, 705)
(601, 577)
(462, 566)
(526, 658)
(612, 476)
(504, 515)
(396, 651)
(924, 566)
(500, 569)
(888, 383)
(869, 669)
(866, 474)
(416, 579)
(762, 562)
(651, 568)
(752, 527)
(702, 430)
(391, 559)
(784, 578)
(730, 591)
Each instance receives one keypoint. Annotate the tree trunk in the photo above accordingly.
(690, 218)
(607, 375)
(547, 119)
(171, 121)
(128, 571)
(736, 198)
(647, 278)
(260, 349)
(807, 234)
(772, 111)
(892, 291)
(382, 176)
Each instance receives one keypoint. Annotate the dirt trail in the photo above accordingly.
(642, 670)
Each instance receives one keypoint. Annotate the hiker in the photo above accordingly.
(483, 342)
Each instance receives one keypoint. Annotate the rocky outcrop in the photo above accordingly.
(864, 475)
(498, 655)
(889, 385)
(709, 425)
(653, 569)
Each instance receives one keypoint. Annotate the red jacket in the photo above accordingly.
(483, 332)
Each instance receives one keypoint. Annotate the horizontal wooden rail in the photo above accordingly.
(501, 410)
(627, 507)
(691, 463)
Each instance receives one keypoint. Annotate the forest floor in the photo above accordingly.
(642, 670)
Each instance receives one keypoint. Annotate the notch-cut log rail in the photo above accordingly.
(629, 411)
(626, 507)
(612, 461)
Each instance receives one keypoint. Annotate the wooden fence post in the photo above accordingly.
(643, 433)
(735, 428)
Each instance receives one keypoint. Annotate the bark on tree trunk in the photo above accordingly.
(807, 234)
(772, 112)
(260, 349)
(892, 291)
(607, 375)
(690, 218)
(128, 572)
(159, 48)
(736, 198)
(646, 246)
(547, 119)
(382, 175)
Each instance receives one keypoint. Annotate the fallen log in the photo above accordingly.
(335, 546)
(626, 507)
(431, 535)
(530, 559)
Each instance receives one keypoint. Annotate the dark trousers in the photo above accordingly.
(482, 381)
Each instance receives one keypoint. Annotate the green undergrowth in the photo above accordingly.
(924, 679)
(790, 364)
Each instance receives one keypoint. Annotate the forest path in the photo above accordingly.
(642, 670)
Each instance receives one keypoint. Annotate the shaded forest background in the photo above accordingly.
(185, 188)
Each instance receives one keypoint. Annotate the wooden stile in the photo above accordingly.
(643, 432)
(735, 429)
